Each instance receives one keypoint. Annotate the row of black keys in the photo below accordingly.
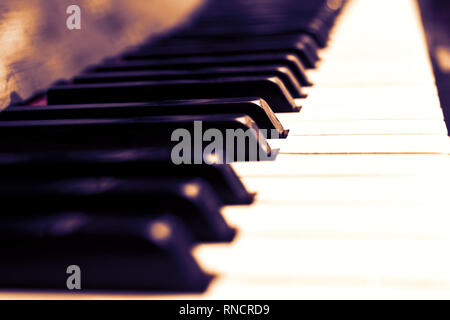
(88, 179)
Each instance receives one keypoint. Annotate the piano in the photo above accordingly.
(348, 198)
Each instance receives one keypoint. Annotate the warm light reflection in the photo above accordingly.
(443, 58)
(334, 4)
(160, 231)
(15, 38)
(37, 49)
(96, 7)
(191, 190)
(213, 158)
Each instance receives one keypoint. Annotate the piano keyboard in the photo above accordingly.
(355, 204)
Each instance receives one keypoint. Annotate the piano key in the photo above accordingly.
(283, 73)
(346, 165)
(125, 133)
(271, 89)
(395, 72)
(134, 254)
(266, 8)
(287, 60)
(364, 127)
(257, 109)
(316, 29)
(125, 163)
(386, 261)
(302, 288)
(193, 201)
(313, 221)
(341, 190)
(199, 46)
(252, 19)
(321, 282)
(302, 46)
(309, 289)
(356, 144)
(401, 102)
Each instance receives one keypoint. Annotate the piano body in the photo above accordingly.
(355, 204)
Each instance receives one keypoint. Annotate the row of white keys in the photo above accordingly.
(355, 205)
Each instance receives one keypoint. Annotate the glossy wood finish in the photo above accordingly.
(36, 47)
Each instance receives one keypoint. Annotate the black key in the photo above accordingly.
(316, 29)
(311, 47)
(264, 19)
(271, 89)
(298, 45)
(282, 73)
(289, 61)
(130, 254)
(121, 163)
(257, 109)
(193, 201)
(99, 134)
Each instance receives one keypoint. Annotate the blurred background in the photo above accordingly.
(37, 48)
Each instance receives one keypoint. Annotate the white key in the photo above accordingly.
(342, 221)
(345, 144)
(376, 102)
(364, 127)
(288, 165)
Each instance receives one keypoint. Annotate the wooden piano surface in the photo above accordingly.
(38, 48)
(356, 205)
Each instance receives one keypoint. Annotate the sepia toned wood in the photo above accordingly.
(37, 48)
